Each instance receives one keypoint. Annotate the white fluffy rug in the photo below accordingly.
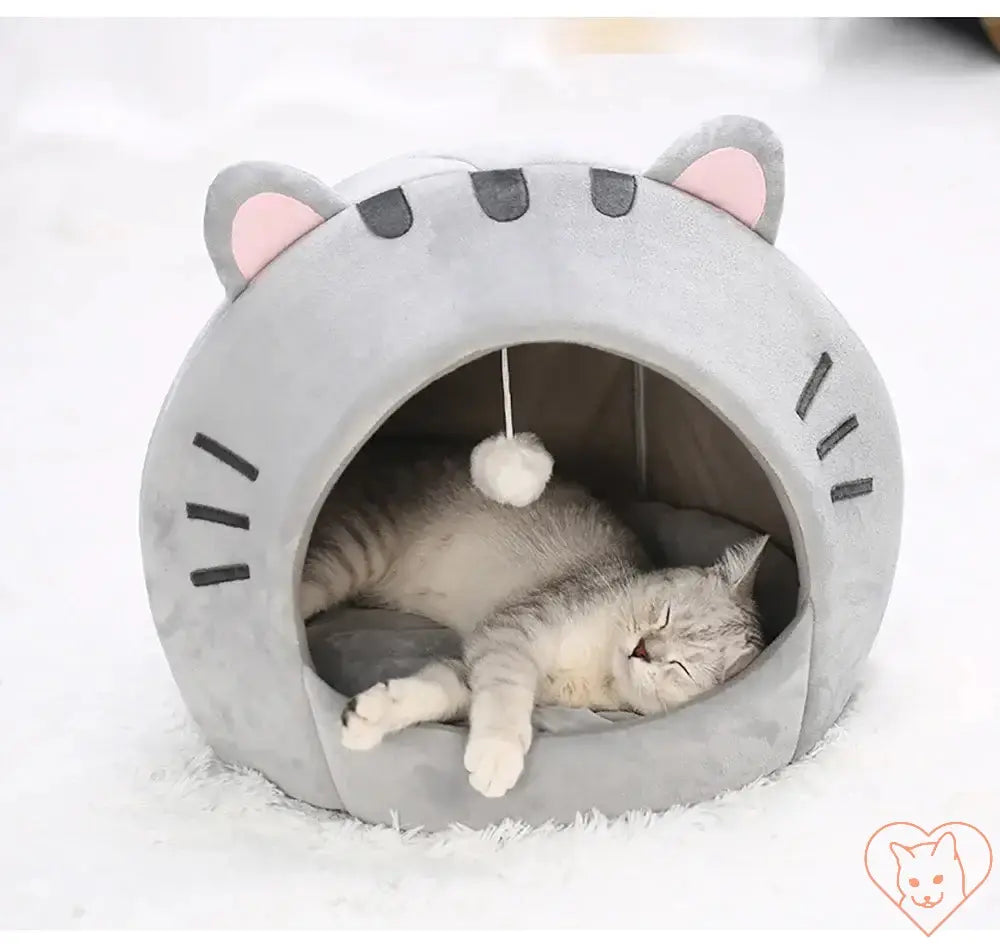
(112, 813)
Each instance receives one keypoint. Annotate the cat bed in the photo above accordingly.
(662, 348)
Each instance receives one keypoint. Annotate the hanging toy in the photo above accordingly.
(510, 469)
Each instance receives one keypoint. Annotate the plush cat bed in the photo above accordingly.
(660, 346)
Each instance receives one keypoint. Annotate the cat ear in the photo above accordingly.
(744, 656)
(947, 845)
(739, 563)
(254, 211)
(733, 162)
(901, 852)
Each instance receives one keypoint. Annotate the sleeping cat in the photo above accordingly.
(555, 602)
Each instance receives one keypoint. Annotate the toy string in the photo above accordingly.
(508, 415)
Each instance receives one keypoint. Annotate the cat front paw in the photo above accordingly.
(494, 762)
(366, 718)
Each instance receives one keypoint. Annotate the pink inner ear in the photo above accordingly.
(264, 225)
(729, 178)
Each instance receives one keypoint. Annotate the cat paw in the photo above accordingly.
(494, 763)
(366, 718)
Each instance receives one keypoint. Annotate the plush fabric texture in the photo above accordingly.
(355, 322)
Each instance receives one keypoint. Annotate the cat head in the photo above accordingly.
(928, 872)
(690, 629)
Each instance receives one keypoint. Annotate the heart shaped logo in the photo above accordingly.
(928, 875)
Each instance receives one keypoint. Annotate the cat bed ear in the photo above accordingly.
(254, 211)
(733, 162)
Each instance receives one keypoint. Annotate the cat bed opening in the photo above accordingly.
(343, 303)
(662, 459)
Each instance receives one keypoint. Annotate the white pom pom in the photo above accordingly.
(512, 471)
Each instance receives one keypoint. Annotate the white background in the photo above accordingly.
(111, 811)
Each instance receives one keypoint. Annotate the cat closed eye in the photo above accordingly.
(682, 667)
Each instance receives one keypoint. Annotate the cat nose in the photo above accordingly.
(927, 898)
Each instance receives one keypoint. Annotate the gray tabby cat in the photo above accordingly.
(555, 603)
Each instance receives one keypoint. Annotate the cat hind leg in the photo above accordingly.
(436, 693)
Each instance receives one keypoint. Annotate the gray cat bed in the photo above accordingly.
(661, 347)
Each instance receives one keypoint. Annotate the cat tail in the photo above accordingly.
(345, 562)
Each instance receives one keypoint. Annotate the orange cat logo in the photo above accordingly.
(928, 875)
